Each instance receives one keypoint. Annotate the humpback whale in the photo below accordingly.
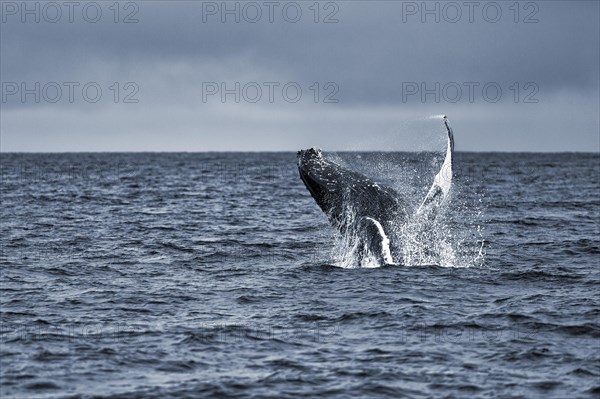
(366, 211)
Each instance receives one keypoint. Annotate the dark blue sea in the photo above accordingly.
(199, 275)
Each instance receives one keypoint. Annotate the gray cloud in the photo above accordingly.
(372, 55)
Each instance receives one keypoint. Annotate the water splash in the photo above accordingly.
(452, 236)
(436, 117)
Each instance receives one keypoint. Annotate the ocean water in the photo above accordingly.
(216, 275)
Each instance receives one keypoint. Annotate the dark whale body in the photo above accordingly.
(364, 210)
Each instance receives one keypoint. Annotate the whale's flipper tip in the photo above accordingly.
(443, 180)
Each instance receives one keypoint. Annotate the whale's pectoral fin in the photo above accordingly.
(443, 180)
(374, 241)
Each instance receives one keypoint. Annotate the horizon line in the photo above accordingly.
(292, 151)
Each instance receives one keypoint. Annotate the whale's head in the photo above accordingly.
(310, 155)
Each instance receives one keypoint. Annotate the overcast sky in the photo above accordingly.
(353, 75)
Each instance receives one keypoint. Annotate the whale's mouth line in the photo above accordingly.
(306, 183)
(303, 168)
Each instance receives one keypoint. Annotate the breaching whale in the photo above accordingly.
(365, 210)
